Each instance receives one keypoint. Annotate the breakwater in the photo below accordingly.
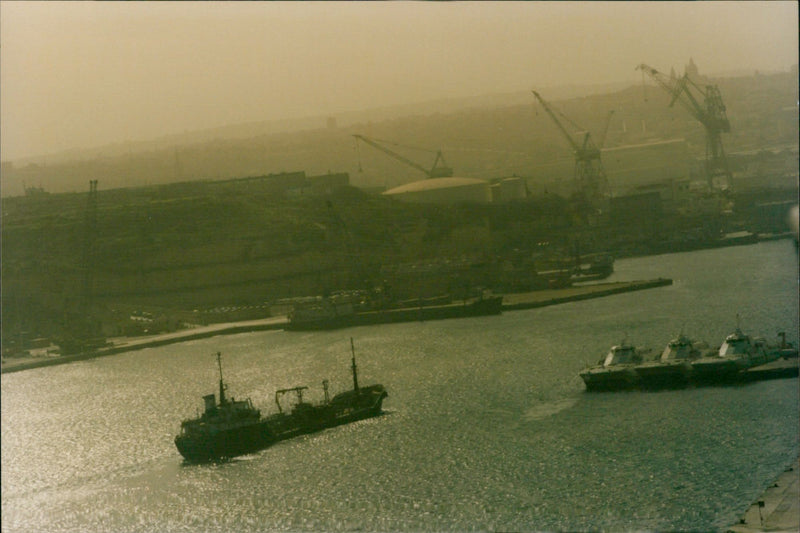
(511, 302)
(130, 344)
(531, 300)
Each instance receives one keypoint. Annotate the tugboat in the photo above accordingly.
(738, 353)
(231, 428)
(616, 371)
(673, 368)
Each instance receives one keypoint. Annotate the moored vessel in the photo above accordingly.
(325, 315)
(231, 428)
(738, 353)
(673, 368)
(592, 268)
(616, 371)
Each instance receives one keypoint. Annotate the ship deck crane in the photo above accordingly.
(590, 175)
(436, 171)
(710, 113)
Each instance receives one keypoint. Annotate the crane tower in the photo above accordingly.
(710, 112)
(436, 171)
(590, 176)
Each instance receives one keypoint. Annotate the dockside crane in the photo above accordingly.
(590, 176)
(436, 171)
(710, 113)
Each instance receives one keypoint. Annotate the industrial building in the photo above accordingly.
(658, 161)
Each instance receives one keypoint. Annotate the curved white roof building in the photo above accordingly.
(443, 191)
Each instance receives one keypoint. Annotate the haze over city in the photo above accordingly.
(84, 74)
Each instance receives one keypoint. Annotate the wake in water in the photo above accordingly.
(543, 410)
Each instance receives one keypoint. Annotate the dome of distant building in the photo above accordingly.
(443, 191)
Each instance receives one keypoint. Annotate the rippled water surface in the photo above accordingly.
(487, 424)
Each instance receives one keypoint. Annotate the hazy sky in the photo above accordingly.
(81, 74)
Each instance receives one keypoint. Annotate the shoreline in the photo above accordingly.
(511, 302)
(778, 507)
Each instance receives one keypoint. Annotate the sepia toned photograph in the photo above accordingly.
(399, 266)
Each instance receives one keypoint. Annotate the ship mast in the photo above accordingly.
(221, 384)
(355, 373)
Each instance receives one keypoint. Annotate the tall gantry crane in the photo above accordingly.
(710, 113)
(590, 176)
(436, 171)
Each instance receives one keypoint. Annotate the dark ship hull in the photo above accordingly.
(664, 375)
(225, 443)
(615, 371)
(603, 379)
(482, 307)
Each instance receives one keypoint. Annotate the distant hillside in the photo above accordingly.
(485, 137)
(342, 118)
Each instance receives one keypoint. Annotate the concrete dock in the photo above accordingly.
(777, 509)
(511, 302)
(531, 300)
(785, 367)
(128, 344)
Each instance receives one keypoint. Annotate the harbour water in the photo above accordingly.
(487, 424)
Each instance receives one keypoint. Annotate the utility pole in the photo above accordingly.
(89, 239)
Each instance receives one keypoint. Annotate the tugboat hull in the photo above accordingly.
(717, 370)
(660, 375)
(610, 379)
(616, 370)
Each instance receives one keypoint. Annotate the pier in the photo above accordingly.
(531, 300)
(511, 302)
(777, 509)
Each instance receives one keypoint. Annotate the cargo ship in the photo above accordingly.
(231, 427)
(330, 314)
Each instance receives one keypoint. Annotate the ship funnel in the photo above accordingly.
(210, 402)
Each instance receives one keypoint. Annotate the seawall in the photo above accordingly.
(511, 302)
